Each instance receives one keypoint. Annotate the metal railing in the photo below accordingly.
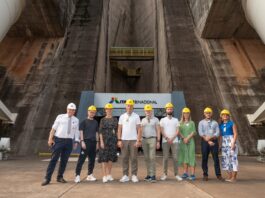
(131, 52)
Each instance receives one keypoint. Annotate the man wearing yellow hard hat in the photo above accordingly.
(169, 129)
(129, 139)
(209, 132)
(151, 141)
(89, 143)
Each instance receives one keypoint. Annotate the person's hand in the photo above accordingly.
(138, 144)
(51, 142)
(119, 144)
(157, 145)
(75, 145)
(168, 140)
(186, 140)
(233, 145)
(102, 145)
(83, 145)
(207, 138)
(210, 143)
(171, 140)
(220, 148)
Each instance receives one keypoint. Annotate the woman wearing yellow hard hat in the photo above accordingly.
(89, 143)
(229, 146)
(108, 142)
(186, 156)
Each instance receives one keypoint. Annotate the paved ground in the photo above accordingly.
(22, 178)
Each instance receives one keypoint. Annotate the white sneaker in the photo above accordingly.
(163, 177)
(91, 178)
(110, 178)
(135, 179)
(105, 179)
(125, 178)
(178, 178)
(77, 179)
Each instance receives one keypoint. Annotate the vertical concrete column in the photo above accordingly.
(164, 72)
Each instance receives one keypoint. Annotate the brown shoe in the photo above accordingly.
(45, 182)
(61, 180)
(205, 178)
(219, 177)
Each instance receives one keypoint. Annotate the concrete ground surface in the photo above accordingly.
(22, 178)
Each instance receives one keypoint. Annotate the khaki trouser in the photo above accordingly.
(129, 151)
(149, 147)
(166, 150)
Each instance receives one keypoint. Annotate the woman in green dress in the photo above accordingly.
(186, 154)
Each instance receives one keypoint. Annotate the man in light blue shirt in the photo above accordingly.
(209, 132)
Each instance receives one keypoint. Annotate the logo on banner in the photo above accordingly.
(115, 100)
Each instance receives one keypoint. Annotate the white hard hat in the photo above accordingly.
(71, 106)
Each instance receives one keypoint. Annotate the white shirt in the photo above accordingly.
(61, 127)
(149, 128)
(129, 126)
(170, 127)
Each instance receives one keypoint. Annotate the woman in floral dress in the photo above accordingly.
(229, 147)
(108, 141)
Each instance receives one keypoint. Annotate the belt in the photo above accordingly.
(63, 138)
(149, 137)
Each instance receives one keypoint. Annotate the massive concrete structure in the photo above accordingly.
(59, 48)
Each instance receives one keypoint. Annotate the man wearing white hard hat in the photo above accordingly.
(64, 130)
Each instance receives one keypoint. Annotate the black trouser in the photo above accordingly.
(206, 149)
(90, 152)
(62, 148)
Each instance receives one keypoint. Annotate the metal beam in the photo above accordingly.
(257, 118)
(6, 115)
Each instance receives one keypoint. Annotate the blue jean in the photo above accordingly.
(206, 149)
(62, 148)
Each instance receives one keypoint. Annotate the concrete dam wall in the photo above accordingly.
(43, 74)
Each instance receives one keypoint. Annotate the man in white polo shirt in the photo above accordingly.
(169, 129)
(129, 139)
(64, 130)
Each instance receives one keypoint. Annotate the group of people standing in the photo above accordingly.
(130, 132)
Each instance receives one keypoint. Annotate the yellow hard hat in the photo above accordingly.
(148, 107)
(169, 105)
(186, 110)
(92, 108)
(208, 110)
(108, 106)
(129, 102)
(225, 111)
